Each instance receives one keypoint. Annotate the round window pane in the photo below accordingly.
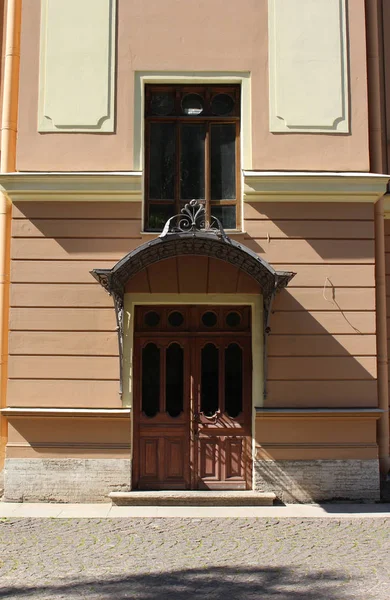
(222, 104)
(162, 104)
(233, 319)
(192, 105)
(152, 319)
(209, 319)
(176, 319)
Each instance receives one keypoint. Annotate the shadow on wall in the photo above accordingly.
(217, 582)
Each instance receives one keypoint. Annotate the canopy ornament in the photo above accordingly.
(193, 218)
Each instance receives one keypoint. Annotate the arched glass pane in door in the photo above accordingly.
(174, 380)
(209, 380)
(150, 380)
(233, 380)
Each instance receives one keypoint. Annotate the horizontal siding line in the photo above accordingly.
(328, 286)
(315, 219)
(320, 310)
(274, 237)
(290, 287)
(108, 219)
(324, 380)
(43, 379)
(115, 260)
(274, 264)
(349, 355)
(67, 306)
(62, 379)
(314, 264)
(71, 355)
(84, 237)
(66, 260)
(325, 334)
(75, 331)
(44, 282)
(303, 311)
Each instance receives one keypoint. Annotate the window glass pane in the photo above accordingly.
(150, 380)
(162, 161)
(225, 214)
(222, 104)
(233, 380)
(192, 105)
(223, 161)
(159, 215)
(192, 172)
(152, 319)
(162, 103)
(174, 380)
(209, 380)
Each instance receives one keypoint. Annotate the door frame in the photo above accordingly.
(255, 301)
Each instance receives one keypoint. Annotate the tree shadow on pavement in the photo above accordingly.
(216, 583)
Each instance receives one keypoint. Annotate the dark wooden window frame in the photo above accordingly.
(207, 91)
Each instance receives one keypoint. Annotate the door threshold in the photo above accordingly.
(192, 498)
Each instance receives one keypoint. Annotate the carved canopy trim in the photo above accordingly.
(198, 243)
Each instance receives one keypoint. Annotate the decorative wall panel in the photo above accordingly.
(77, 66)
(308, 66)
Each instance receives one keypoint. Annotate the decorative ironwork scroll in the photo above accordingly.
(193, 218)
(189, 233)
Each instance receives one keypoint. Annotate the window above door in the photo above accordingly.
(192, 151)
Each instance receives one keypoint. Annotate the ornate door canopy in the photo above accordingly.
(189, 233)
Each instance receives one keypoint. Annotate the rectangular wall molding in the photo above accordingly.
(308, 66)
(77, 66)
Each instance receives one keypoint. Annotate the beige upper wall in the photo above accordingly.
(212, 36)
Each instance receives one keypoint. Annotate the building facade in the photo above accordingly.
(239, 345)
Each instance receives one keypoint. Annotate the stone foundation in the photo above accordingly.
(65, 479)
(1, 483)
(317, 480)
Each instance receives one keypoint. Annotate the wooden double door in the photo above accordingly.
(192, 398)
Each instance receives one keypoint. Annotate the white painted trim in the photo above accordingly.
(275, 186)
(325, 174)
(72, 187)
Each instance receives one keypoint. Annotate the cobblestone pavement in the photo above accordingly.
(229, 559)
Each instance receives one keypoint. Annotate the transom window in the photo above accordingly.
(192, 152)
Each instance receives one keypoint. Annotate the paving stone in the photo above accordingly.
(235, 558)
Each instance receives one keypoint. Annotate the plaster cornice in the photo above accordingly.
(27, 411)
(317, 413)
(73, 187)
(278, 186)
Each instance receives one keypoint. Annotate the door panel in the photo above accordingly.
(235, 452)
(149, 457)
(222, 418)
(161, 414)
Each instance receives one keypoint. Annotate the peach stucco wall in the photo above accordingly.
(63, 343)
(197, 36)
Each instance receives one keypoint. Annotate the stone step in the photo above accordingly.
(192, 498)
